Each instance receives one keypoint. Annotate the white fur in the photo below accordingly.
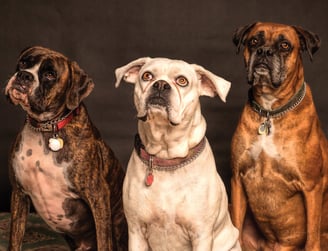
(268, 101)
(45, 182)
(185, 209)
(159, 136)
(265, 143)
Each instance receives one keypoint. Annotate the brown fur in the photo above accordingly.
(281, 204)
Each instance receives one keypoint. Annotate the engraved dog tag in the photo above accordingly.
(264, 128)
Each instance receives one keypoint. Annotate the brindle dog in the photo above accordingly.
(59, 160)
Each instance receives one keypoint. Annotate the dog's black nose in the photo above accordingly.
(24, 77)
(161, 85)
(264, 51)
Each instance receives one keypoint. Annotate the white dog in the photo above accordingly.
(173, 197)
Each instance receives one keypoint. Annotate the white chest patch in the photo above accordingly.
(43, 179)
(265, 143)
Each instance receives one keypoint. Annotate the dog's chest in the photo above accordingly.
(264, 144)
(179, 204)
(43, 179)
(269, 166)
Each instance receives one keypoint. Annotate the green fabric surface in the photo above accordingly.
(38, 236)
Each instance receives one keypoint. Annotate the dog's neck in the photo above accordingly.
(271, 98)
(279, 111)
(164, 140)
(167, 164)
(51, 125)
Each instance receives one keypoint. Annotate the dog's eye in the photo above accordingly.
(285, 46)
(147, 76)
(253, 42)
(22, 64)
(182, 81)
(49, 75)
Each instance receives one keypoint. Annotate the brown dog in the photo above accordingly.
(59, 160)
(279, 151)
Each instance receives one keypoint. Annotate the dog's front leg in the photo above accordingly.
(239, 204)
(137, 240)
(99, 201)
(202, 244)
(20, 205)
(313, 203)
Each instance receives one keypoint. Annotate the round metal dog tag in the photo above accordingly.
(55, 144)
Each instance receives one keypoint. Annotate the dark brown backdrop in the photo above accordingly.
(103, 35)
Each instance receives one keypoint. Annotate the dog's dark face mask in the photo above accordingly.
(46, 84)
(273, 52)
(267, 61)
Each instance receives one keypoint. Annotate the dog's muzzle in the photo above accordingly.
(262, 60)
(265, 67)
(159, 93)
(158, 96)
(23, 81)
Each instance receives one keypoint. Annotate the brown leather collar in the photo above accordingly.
(167, 164)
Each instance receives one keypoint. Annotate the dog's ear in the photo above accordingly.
(211, 84)
(240, 34)
(129, 73)
(310, 41)
(81, 86)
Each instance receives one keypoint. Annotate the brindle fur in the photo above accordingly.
(95, 174)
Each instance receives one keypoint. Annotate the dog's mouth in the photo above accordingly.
(157, 102)
(260, 74)
(263, 75)
(17, 92)
(159, 105)
(261, 69)
(20, 88)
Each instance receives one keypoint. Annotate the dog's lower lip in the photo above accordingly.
(261, 69)
(20, 88)
(261, 65)
(159, 101)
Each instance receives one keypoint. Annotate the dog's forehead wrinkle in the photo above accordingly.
(168, 67)
(278, 34)
(27, 61)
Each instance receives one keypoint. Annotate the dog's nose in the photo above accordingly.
(264, 51)
(24, 77)
(161, 85)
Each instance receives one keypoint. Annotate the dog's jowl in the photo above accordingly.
(173, 196)
(279, 151)
(59, 161)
